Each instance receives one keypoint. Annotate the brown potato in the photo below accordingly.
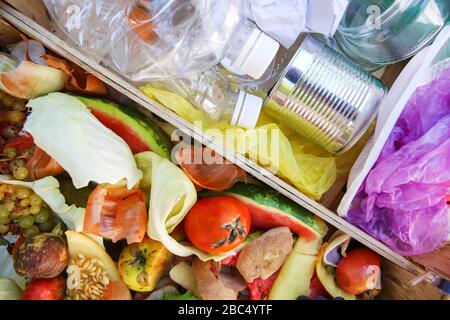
(41, 256)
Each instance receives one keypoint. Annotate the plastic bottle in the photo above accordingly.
(250, 52)
(150, 40)
(211, 92)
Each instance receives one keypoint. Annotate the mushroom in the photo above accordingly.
(266, 254)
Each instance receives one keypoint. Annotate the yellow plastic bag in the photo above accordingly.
(273, 146)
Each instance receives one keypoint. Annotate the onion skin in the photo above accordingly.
(209, 170)
(359, 271)
(30, 80)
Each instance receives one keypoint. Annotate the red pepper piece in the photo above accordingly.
(259, 288)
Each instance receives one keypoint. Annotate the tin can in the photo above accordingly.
(325, 97)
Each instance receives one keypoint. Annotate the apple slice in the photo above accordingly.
(295, 275)
(184, 275)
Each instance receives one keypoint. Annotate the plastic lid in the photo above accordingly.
(255, 56)
(247, 110)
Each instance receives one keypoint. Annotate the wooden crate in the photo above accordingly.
(25, 19)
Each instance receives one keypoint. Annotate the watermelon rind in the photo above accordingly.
(273, 201)
(147, 131)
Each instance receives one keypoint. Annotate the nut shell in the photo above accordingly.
(41, 256)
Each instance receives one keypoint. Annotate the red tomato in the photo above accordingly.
(217, 224)
(116, 213)
(359, 271)
(41, 165)
(229, 261)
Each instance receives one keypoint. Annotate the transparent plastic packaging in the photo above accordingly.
(148, 40)
(374, 33)
(211, 92)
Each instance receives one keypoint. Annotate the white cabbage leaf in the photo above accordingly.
(172, 195)
(9, 290)
(65, 128)
(7, 268)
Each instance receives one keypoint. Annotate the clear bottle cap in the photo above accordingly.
(255, 56)
(247, 110)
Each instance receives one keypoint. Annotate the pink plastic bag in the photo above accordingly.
(402, 200)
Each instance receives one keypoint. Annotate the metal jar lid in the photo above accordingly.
(326, 98)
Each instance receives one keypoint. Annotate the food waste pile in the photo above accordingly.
(93, 208)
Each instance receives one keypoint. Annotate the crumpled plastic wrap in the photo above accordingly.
(273, 146)
(153, 40)
(402, 200)
(149, 40)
